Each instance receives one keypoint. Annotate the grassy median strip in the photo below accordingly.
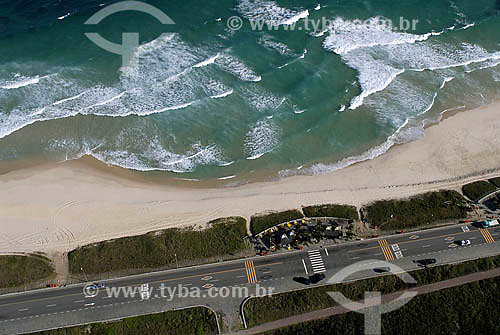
(466, 309)
(19, 270)
(165, 248)
(332, 210)
(478, 189)
(279, 306)
(261, 222)
(418, 211)
(198, 320)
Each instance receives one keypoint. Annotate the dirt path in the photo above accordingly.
(327, 312)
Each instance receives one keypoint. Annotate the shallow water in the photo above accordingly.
(205, 101)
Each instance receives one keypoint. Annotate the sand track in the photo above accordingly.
(55, 208)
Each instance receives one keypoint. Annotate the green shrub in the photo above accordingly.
(270, 308)
(159, 249)
(332, 210)
(477, 190)
(197, 320)
(417, 211)
(466, 309)
(495, 181)
(16, 270)
(259, 223)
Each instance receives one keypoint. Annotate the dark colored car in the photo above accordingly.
(302, 280)
(383, 269)
(316, 278)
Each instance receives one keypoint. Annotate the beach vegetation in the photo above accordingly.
(197, 320)
(465, 309)
(222, 239)
(421, 210)
(261, 222)
(19, 270)
(332, 210)
(478, 189)
(278, 306)
(495, 181)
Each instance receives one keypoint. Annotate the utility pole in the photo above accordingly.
(176, 263)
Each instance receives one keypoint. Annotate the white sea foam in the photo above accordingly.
(270, 12)
(268, 42)
(22, 81)
(207, 61)
(342, 108)
(64, 16)
(235, 66)
(227, 177)
(171, 108)
(261, 139)
(226, 164)
(68, 99)
(318, 7)
(222, 95)
(446, 80)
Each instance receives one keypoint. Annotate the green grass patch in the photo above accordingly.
(283, 305)
(198, 320)
(16, 270)
(467, 309)
(421, 210)
(259, 223)
(224, 237)
(477, 190)
(495, 181)
(332, 210)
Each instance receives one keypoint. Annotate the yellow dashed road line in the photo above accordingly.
(250, 270)
(487, 235)
(386, 250)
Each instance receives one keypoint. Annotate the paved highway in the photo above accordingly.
(159, 291)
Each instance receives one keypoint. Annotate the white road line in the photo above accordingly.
(425, 246)
(326, 251)
(22, 310)
(79, 301)
(90, 304)
(358, 257)
(51, 305)
(305, 268)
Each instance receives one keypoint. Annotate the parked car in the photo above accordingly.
(462, 242)
(383, 269)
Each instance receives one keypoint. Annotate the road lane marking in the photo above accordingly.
(487, 235)
(305, 268)
(153, 282)
(90, 304)
(326, 251)
(426, 246)
(22, 310)
(413, 241)
(316, 261)
(386, 250)
(51, 305)
(465, 229)
(250, 270)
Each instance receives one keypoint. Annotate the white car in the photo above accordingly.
(462, 243)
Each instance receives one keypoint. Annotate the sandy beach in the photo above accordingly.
(58, 207)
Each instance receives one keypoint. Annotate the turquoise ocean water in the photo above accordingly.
(207, 101)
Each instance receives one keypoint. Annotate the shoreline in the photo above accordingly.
(85, 201)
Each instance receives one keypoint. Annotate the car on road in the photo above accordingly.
(96, 285)
(462, 243)
(302, 280)
(383, 269)
(316, 278)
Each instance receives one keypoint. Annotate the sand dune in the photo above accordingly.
(61, 206)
